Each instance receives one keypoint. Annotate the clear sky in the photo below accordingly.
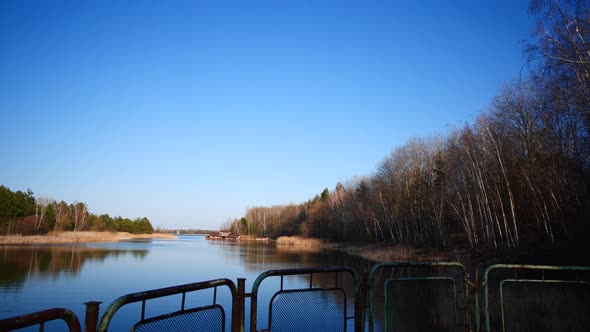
(188, 112)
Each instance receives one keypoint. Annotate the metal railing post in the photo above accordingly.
(362, 308)
(477, 283)
(241, 305)
(91, 318)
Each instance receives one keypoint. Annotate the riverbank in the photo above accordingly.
(78, 237)
(373, 252)
(379, 253)
(470, 257)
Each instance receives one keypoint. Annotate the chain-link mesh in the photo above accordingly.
(204, 319)
(308, 310)
(546, 306)
(420, 305)
(537, 298)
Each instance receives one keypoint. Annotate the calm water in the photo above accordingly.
(35, 278)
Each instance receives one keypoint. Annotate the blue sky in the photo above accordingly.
(190, 112)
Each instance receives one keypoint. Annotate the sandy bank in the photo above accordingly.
(79, 237)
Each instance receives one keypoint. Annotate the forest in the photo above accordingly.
(518, 176)
(22, 213)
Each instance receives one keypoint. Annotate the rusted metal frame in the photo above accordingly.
(309, 290)
(476, 285)
(40, 318)
(416, 265)
(517, 267)
(91, 316)
(239, 318)
(163, 292)
(423, 278)
(286, 272)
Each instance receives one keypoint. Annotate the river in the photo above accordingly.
(39, 277)
(34, 278)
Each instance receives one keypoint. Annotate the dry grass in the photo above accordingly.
(404, 253)
(295, 241)
(400, 252)
(253, 238)
(378, 253)
(78, 237)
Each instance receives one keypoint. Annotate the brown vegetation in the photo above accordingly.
(296, 241)
(78, 237)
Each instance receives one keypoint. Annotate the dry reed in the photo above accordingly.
(295, 241)
(78, 237)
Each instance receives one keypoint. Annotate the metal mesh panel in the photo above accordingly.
(420, 305)
(206, 319)
(308, 310)
(546, 306)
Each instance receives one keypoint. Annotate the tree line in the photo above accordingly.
(519, 175)
(22, 213)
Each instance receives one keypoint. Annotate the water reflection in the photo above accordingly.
(259, 257)
(34, 278)
(18, 263)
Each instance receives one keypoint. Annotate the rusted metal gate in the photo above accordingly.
(536, 298)
(210, 317)
(419, 296)
(321, 305)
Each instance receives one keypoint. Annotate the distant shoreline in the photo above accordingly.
(78, 237)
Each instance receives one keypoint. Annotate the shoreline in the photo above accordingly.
(380, 253)
(372, 252)
(78, 237)
(376, 252)
(469, 257)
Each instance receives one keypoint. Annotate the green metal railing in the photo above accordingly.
(336, 289)
(416, 282)
(539, 280)
(40, 318)
(184, 316)
(436, 296)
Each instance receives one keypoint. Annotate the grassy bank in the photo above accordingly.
(78, 237)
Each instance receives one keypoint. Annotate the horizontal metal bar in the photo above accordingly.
(415, 264)
(421, 278)
(546, 281)
(533, 267)
(287, 272)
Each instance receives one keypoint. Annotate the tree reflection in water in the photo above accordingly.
(18, 263)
